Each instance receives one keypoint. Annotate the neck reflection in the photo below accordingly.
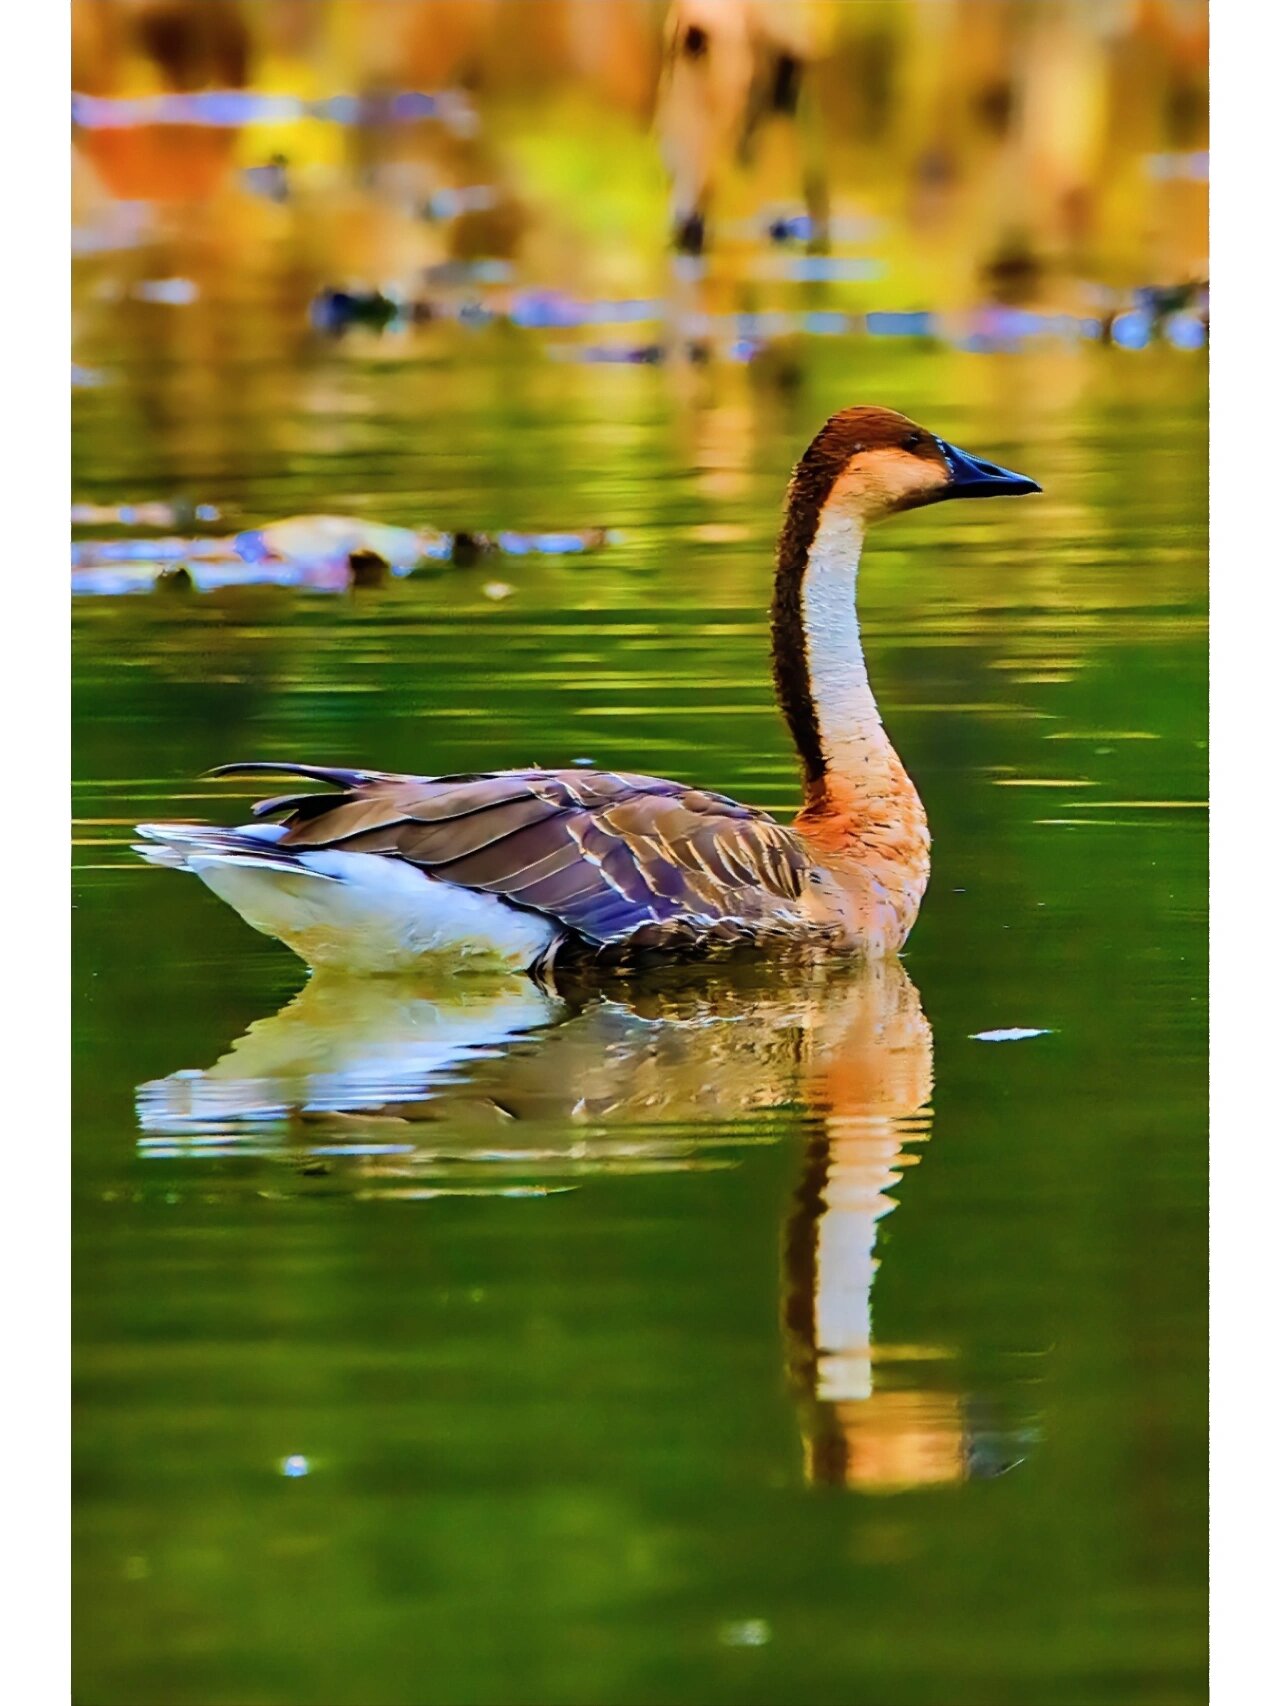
(866, 1417)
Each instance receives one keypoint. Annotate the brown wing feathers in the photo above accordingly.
(613, 857)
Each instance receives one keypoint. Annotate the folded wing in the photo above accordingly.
(616, 859)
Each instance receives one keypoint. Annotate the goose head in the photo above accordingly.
(869, 463)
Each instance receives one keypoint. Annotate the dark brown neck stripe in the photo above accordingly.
(790, 653)
(811, 483)
(844, 436)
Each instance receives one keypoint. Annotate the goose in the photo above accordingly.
(526, 868)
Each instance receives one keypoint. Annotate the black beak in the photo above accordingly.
(973, 478)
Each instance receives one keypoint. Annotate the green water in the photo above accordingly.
(563, 1309)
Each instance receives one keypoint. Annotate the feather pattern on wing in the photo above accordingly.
(619, 860)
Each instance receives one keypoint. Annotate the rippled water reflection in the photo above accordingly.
(613, 1374)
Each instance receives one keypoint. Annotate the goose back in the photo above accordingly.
(622, 862)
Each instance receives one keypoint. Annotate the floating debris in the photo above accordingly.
(554, 544)
(430, 1193)
(1177, 314)
(230, 108)
(1132, 330)
(639, 355)
(468, 548)
(176, 512)
(1015, 1034)
(367, 568)
(294, 1466)
(915, 323)
(1186, 331)
(999, 327)
(325, 553)
(1161, 300)
(791, 228)
(334, 311)
(820, 269)
(783, 226)
(991, 328)
(98, 553)
(335, 539)
(750, 1632)
(205, 574)
(545, 310)
(453, 273)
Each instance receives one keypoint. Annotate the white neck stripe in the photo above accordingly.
(849, 728)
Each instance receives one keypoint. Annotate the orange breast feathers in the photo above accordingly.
(876, 847)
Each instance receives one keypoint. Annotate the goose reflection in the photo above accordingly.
(480, 1086)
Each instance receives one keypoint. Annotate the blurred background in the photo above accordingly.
(437, 369)
(469, 158)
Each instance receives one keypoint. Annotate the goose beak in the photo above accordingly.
(971, 477)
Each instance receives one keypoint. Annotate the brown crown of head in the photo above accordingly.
(867, 463)
(873, 439)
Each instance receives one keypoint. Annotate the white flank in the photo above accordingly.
(352, 912)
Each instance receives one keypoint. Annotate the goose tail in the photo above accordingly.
(196, 846)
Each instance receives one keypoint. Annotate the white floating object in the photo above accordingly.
(1015, 1034)
(294, 1466)
(751, 1632)
(332, 539)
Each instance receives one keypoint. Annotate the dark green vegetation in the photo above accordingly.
(556, 1442)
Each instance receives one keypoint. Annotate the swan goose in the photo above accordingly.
(524, 867)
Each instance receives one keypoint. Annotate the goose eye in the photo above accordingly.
(913, 441)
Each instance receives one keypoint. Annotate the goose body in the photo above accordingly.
(524, 867)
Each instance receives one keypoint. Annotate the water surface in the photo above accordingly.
(770, 1338)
